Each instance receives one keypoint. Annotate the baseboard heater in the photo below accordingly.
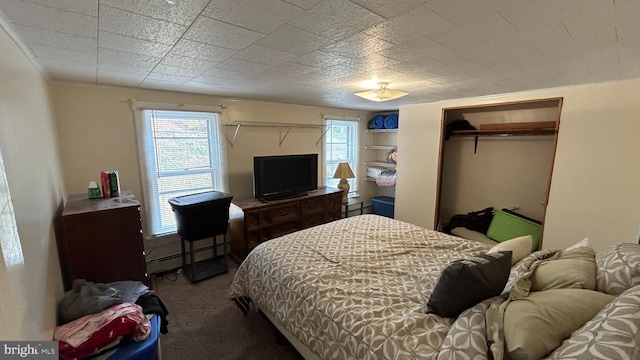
(176, 256)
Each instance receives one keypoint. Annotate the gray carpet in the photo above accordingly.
(204, 324)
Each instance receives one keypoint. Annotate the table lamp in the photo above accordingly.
(343, 172)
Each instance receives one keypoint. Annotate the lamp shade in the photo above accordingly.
(343, 171)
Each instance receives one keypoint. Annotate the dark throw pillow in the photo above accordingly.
(466, 282)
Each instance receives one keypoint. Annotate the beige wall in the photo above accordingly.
(504, 172)
(594, 191)
(97, 131)
(30, 280)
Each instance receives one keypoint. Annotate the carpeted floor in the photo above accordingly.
(204, 324)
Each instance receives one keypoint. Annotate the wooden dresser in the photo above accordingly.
(102, 240)
(253, 222)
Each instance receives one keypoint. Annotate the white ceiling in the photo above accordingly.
(319, 52)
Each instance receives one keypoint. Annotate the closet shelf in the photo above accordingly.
(379, 147)
(381, 130)
(281, 125)
(511, 132)
(387, 164)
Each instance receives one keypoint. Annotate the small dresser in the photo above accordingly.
(102, 240)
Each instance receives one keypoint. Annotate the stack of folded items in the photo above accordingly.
(386, 178)
(374, 172)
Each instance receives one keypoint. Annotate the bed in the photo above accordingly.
(359, 288)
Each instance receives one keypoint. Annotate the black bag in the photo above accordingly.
(476, 220)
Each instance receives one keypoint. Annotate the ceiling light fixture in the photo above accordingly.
(382, 93)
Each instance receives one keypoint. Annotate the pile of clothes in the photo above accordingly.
(97, 318)
(382, 177)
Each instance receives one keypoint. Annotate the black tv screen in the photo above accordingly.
(284, 176)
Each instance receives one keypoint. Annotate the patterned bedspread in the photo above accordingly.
(359, 287)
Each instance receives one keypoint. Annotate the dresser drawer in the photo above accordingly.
(270, 216)
(313, 206)
(283, 229)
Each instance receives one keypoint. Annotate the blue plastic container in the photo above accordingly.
(383, 205)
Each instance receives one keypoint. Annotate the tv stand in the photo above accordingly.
(282, 197)
(253, 221)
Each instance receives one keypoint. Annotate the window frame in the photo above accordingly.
(150, 174)
(353, 150)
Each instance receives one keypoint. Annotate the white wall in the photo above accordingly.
(595, 190)
(30, 280)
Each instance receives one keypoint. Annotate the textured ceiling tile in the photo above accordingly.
(338, 71)
(411, 25)
(537, 14)
(336, 19)
(358, 45)
(118, 42)
(204, 79)
(48, 52)
(35, 36)
(242, 66)
(321, 59)
(461, 11)
(373, 62)
(182, 12)
(422, 46)
(293, 40)
(159, 84)
(487, 28)
(270, 15)
(125, 62)
(585, 35)
(174, 78)
(107, 77)
(217, 33)
(201, 51)
(305, 4)
(217, 73)
(263, 55)
(44, 17)
(85, 7)
(416, 65)
(389, 8)
(174, 70)
(138, 26)
(188, 62)
(290, 68)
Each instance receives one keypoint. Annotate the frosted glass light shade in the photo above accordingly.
(383, 93)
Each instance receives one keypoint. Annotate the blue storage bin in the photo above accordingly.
(383, 205)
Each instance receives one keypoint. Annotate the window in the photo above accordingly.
(341, 145)
(181, 152)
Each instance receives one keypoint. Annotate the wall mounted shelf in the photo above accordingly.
(281, 125)
(509, 129)
(379, 147)
(386, 164)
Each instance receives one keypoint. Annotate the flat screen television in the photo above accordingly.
(284, 176)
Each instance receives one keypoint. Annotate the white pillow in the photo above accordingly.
(519, 247)
(582, 243)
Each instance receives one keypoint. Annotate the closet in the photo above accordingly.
(497, 155)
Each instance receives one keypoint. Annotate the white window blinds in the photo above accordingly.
(181, 152)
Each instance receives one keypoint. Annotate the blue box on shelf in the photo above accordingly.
(383, 205)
